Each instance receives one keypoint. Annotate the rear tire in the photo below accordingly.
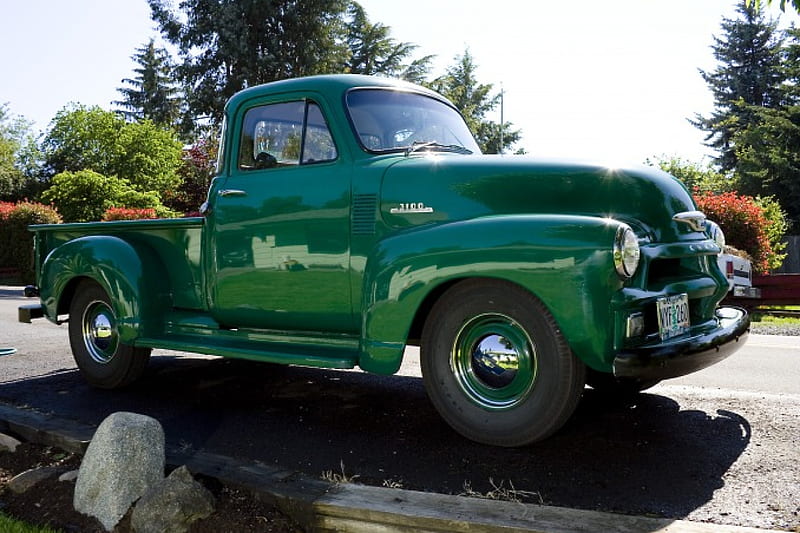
(496, 366)
(102, 359)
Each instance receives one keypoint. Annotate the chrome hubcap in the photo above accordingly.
(99, 332)
(493, 361)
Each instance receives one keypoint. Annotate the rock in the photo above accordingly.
(8, 443)
(72, 475)
(27, 479)
(172, 505)
(123, 460)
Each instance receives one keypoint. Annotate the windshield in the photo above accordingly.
(387, 120)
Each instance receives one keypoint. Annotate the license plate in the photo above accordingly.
(673, 315)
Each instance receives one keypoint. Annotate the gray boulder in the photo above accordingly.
(123, 460)
(24, 481)
(172, 505)
(8, 443)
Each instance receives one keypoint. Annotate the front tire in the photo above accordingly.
(496, 366)
(102, 359)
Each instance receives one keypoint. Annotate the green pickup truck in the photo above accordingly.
(353, 216)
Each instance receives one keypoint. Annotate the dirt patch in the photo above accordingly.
(49, 503)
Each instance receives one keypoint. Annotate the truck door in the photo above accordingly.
(280, 224)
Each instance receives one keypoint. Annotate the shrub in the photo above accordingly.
(85, 196)
(5, 209)
(745, 225)
(128, 213)
(777, 226)
(16, 242)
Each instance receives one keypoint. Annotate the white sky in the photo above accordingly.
(613, 80)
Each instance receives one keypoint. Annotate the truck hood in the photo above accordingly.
(422, 189)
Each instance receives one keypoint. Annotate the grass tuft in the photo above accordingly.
(10, 525)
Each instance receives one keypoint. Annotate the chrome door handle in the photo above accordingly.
(232, 192)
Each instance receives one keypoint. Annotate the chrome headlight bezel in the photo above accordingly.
(716, 234)
(626, 252)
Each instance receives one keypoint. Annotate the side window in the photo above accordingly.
(285, 134)
(318, 144)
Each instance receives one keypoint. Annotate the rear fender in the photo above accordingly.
(566, 261)
(132, 275)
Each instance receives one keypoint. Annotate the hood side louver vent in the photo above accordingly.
(365, 208)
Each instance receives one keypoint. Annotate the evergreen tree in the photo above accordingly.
(373, 51)
(227, 46)
(152, 93)
(769, 158)
(791, 67)
(748, 75)
(460, 85)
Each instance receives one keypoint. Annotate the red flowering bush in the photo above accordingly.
(128, 213)
(5, 209)
(16, 242)
(744, 223)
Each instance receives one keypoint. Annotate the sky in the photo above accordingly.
(612, 81)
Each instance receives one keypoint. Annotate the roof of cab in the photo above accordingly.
(327, 83)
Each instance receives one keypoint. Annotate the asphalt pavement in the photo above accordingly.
(723, 453)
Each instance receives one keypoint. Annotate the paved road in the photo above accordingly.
(722, 445)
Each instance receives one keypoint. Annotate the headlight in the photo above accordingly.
(716, 234)
(626, 252)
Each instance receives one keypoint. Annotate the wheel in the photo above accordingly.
(496, 366)
(102, 360)
(621, 387)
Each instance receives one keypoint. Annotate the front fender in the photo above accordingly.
(566, 261)
(132, 275)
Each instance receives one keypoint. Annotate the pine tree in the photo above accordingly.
(768, 148)
(460, 85)
(749, 74)
(227, 46)
(373, 51)
(152, 94)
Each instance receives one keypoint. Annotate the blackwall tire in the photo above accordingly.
(496, 366)
(103, 361)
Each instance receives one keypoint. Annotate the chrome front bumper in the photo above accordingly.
(684, 356)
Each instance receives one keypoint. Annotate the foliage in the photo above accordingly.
(748, 75)
(16, 242)
(128, 213)
(196, 172)
(18, 156)
(227, 46)
(152, 93)
(694, 175)
(460, 85)
(85, 196)
(769, 159)
(777, 227)
(89, 138)
(12, 525)
(757, 3)
(373, 51)
(745, 226)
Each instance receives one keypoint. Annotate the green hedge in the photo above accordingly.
(16, 242)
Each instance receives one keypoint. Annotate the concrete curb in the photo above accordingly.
(325, 507)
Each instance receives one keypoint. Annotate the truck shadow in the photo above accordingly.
(647, 456)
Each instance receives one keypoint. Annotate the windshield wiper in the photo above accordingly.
(416, 146)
